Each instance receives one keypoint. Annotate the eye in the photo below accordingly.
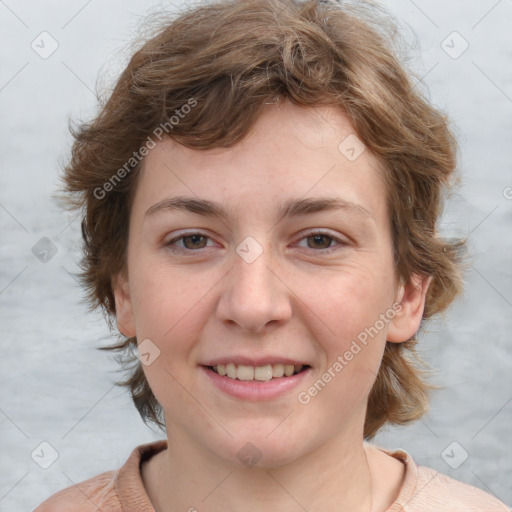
(191, 241)
(322, 241)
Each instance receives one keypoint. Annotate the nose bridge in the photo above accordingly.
(254, 296)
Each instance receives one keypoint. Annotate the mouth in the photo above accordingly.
(260, 380)
(263, 373)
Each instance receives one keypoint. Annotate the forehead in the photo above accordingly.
(292, 152)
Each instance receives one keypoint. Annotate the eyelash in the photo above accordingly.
(340, 243)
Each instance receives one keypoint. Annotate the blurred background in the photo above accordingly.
(62, 419)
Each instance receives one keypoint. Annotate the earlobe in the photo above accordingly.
(411, 296)
(124, 309)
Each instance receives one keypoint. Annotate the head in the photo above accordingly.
(251, 105)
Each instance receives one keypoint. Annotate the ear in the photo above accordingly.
(411, 297)
(124, 309)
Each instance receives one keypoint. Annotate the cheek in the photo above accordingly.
(164, 299)
(351, 334)
(350, 303)
(170, 311)
(351, 337)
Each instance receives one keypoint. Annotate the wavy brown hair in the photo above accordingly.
(230, 58)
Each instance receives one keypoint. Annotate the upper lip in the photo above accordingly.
(253, 361)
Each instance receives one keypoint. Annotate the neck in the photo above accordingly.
(336, 476)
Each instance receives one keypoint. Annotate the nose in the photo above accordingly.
(255, 296)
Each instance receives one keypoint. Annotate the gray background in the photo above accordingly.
(55, 387)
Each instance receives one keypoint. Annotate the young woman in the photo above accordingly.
(261, 196)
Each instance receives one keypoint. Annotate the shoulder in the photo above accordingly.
(426, 490)
(438, 489)
(112, 491)
(96, 493)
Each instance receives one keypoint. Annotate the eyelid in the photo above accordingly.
(340, 241)
(185, 234)
(311, 232)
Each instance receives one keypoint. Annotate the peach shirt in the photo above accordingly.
(122, 490)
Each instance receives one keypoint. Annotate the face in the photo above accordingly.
(274, 255)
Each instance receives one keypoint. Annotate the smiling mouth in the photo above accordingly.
(259, 373)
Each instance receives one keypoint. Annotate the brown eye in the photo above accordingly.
(189, 242)
(322, 242)
(196, 241)
(319, 241)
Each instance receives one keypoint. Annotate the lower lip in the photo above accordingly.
(254, 389)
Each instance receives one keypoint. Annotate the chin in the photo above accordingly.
(258, 456)
(261, 450)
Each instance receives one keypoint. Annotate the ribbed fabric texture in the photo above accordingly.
(423, 490)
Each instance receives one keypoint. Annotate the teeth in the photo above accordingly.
(263, 373)
(245, 372)
(288, 369)
(260, 373)
(277, 370)
(231, 370)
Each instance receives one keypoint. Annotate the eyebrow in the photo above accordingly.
(291, 208)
